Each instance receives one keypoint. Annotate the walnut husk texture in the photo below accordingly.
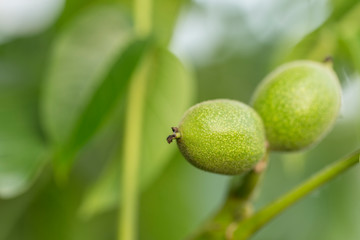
(222, 136)
(299, 103)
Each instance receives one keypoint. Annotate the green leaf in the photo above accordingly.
(316, 46)
(341, 8)
(21, 147)
(92, 63)
(81, 57)
(12, 210)
(75, 7)
(170, 92)
(180, 200)
(104, 99)
(164, 16)
(21, 150)
(338, 37)
(104, 194)
(349, 37)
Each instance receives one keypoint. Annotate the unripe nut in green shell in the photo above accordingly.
(299, 103)
(221, 136)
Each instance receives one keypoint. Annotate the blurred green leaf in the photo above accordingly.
(104, 194)
(102, 102)
(75, 7)
(179, 201)
(13, 209)
(338, 37)
(91, 67)
(164, 16)
(50, 215)
(21, 149)
(316, 46)
(170, 92)
(348, 30)
(80, 59)
(341, 8)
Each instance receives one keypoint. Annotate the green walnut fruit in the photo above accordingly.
(299, 103)
(221, 136)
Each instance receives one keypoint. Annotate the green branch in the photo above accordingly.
(246, 188)
(237, 206)
(247, 227)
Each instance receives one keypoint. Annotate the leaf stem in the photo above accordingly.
(143, 17)
(128, 207)
(247, 227)
(131, 156)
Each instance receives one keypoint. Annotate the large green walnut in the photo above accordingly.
(221, 136)
(299, 103)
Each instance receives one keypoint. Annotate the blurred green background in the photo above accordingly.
(66, 73)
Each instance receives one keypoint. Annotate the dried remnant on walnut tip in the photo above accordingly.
(175, 134)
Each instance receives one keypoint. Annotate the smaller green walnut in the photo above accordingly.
(221, 136)
(298, 103)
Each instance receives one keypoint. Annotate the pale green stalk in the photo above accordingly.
(143, 17)
(131, 158)
(133, 130)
